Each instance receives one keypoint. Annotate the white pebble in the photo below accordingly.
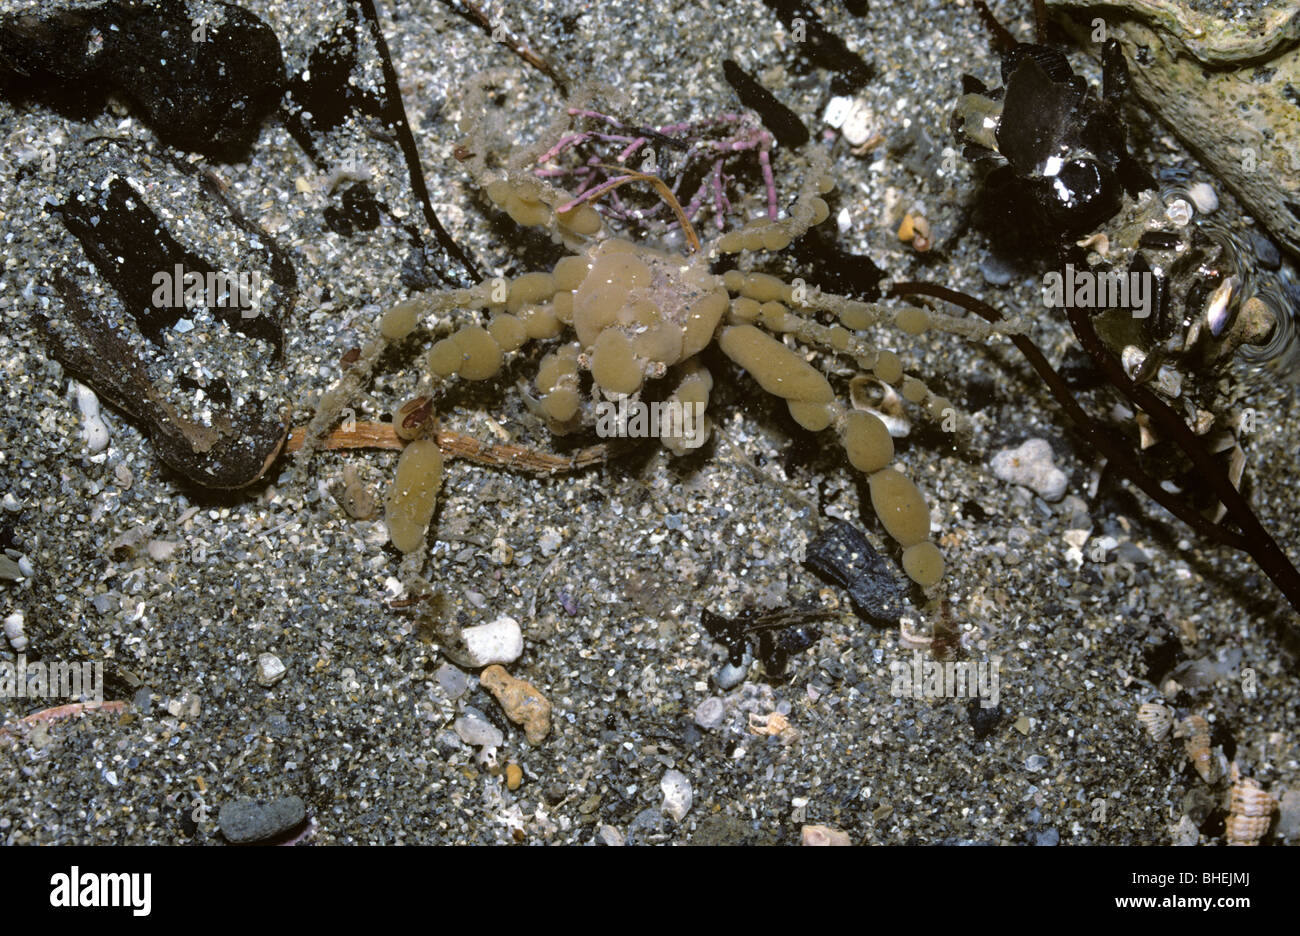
(710, 712)
(478, 732)
(1032, 465)
(270, 669)
(11, 503)
(1203, 197)
(677, 795)
(14, 631)
(611, 836)
(502, 641)
(94, 431)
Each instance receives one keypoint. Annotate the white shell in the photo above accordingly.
(1157, 719)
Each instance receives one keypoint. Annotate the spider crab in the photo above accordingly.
(625, 314)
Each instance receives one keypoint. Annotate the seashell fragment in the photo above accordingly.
(1195, 732)
(1157, 719)
(1250, 809)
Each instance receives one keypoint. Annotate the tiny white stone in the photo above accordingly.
(474, 730)
(857, 125)
(94, 431)
(837, 111)
(611, 836)
(677, 795)
(502, 641)
(1032, 466)
(14, 631)
(1203, 197)
(270, 669)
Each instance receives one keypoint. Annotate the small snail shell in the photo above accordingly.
(1195, 732)
(1250, 809)
(1157, 719)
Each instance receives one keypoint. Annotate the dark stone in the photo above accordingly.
(358, 211)
(843, 556)
(203, 88)
(246, 821)
(984, 721)
(821, 47)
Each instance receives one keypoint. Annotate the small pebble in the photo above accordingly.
(1036, 762)
(1048, 837)
(1288, 820)
(677, 795)
(453, 681)
(270, 669)
(1032, 465)
(502, 641)
(248, 821)
(710, 712)
(611, 836)
(514, 776)
(1265, 251)
(474, 729)
(729, 677)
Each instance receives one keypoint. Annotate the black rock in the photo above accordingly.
(984, 721)
(843, 556)
(200, 86)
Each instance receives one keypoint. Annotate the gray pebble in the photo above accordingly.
(729, 677)
(478, 731)
(1036, 762)
(1047, 837)
(453, 681)
(248, 821)
(143, 700)
(710, 713)
(1288, 821)
(996, 271)
(1265, 251)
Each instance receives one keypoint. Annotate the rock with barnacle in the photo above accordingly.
(520, 700)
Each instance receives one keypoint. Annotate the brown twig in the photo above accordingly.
(372, 435)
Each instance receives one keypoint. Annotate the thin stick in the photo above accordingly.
(374, 435)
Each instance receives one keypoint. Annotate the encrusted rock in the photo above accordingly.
(1032, 465)
(521, 702)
